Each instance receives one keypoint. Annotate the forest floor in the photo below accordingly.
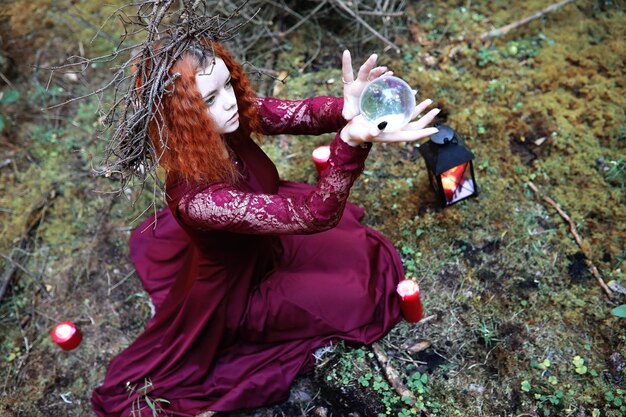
(517, 324)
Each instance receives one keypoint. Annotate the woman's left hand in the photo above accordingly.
(358, 130)
(352, 88)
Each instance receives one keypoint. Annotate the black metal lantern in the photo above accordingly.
(449, 164)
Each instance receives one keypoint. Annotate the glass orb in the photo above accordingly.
(388, 99)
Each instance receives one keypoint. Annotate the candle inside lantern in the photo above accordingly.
(320, 157)
(451, 180)
(66, 335)
(410, 303)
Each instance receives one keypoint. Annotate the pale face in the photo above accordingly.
(218, 94)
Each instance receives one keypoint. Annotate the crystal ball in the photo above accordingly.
(388, 99)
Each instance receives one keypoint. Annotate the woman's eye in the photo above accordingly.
(228, 84)
(210, 100)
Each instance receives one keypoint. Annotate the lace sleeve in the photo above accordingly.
(224, 207)
(313, 116)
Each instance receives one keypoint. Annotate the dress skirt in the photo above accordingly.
(234, 334)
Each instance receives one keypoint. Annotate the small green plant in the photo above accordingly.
(544, 365)
(512, 48)
(488, 333)
(364, 380)
(619, 311)
(551, 398)
(409, 54)
(379, 384)
(407, 413)
(13, 354)
(7, 97)
(154, 405)
(486, 56)
(40, 96)
(616, 399)
(358, 369)
(417, 383)
(480, 128)
(616, 172)
(411, 258)
(579, 363)
(522, 49)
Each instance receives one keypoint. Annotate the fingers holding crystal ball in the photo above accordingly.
(388, 99)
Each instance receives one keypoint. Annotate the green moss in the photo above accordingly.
(501, 272)
(505, 254)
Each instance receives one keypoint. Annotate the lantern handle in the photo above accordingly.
(445, 135)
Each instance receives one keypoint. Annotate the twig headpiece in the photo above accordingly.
(143, 79)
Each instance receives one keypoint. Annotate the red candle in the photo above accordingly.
(320, 158)
(66, 335)
(409, 293)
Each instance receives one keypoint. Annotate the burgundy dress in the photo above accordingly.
(249, 279)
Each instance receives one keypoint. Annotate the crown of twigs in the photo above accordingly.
(167, 32)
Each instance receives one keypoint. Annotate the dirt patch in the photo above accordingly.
(531, 137)
(577, 269)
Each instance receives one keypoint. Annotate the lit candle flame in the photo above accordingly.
(407, 287)
(64, 331)
(451, 179)
(321, 153)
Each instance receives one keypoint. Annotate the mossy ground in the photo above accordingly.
(520, 327)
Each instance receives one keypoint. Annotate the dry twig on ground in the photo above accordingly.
(392, 374)
(496, 33)
(19, 253)
(363, 23)
(577, 238)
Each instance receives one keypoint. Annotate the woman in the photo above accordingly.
(250, 275)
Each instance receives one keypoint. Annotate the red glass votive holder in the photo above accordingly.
(66, 335)
(320, 157)
(410, 303)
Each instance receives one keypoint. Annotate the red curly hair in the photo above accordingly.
(181, 130)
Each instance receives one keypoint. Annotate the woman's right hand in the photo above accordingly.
(358, 130)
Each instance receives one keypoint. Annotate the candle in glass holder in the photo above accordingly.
(320, 158)
(410, 303)
(66, 335)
